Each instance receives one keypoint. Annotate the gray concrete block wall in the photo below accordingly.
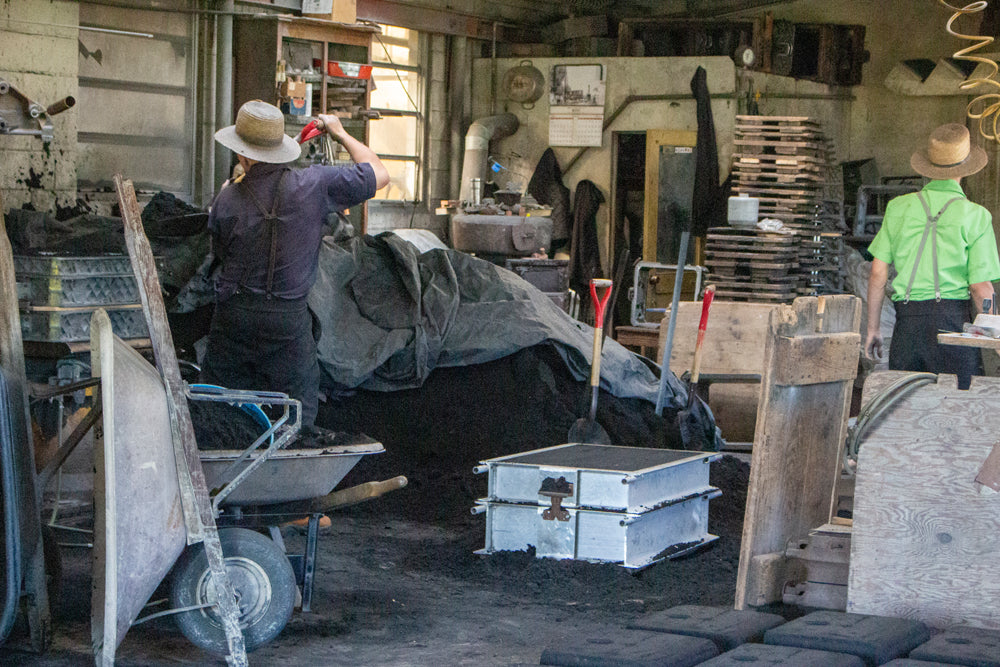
(39, 57)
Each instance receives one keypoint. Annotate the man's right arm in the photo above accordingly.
(360, 153)
(877, 279)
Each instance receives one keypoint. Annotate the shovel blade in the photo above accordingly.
(588, 431)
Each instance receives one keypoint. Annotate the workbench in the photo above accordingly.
(644, 338)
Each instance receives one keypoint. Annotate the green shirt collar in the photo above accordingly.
(945, 185)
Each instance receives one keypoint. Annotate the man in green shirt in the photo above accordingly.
(944, 251)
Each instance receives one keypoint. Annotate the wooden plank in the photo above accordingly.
(747, 118)
(969, 340)
(733, 343)
(797, 447)
(198, 517)
(806, 359)
(926, 540)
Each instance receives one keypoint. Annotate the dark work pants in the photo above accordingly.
(914, 345)
(262, 344)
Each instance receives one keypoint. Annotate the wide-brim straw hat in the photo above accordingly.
(949, 154)
(259, 134)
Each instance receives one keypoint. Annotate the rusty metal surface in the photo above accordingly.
(139, 525)
(194, 494)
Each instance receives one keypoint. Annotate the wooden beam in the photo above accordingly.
(442, 21)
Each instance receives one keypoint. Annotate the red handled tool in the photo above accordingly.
(312, 130)
(692, 431)
(586, 429)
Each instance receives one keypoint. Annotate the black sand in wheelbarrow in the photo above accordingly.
(295, 483)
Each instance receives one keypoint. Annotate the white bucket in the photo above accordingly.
(743, 211)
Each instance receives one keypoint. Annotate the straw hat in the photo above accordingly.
(948, 154)
(259, 134)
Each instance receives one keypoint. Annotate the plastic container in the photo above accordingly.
(743, 211)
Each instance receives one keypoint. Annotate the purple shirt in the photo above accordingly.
(241, 240)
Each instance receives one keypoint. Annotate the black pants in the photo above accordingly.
(914, 345)
(262, 344)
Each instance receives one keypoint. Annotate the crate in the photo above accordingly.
(86, 291)
(634, 541)
(44, 264)
(69, 325)
(628, 505)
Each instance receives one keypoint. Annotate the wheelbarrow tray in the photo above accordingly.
(289, 474)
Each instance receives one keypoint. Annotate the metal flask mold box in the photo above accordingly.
(628, 505)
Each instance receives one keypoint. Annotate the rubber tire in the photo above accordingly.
(202, 626)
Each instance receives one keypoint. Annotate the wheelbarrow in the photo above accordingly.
(259, 486)
(153, 510)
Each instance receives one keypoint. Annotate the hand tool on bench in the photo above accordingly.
(586, 429)
(692, 432)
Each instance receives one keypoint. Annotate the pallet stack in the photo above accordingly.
(787, 163)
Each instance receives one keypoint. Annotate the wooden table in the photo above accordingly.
(969, 340)
(644, 338)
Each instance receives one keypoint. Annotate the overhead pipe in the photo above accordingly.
(224, 86)
(477, 147)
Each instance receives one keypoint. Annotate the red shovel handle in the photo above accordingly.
(600, 303)
(706, 303)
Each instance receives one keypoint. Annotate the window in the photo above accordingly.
(398, 96)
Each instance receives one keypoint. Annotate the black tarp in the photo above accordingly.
(391, 315)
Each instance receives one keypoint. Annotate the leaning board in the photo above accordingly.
(810, 361)
(926, 544)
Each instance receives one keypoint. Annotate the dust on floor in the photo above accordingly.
(394, 590)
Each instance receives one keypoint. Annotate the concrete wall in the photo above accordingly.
(39, 58)
(624, 76)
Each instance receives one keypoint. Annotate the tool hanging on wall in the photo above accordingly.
(21, 115)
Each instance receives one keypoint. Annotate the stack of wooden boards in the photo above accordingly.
(787, 163)
(748, 264)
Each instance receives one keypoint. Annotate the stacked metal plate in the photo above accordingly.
(632, 506)
(58, 294)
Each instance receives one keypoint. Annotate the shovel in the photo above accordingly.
(586, 429)
(691, 434)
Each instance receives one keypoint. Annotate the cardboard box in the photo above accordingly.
(341, 11)
(293, 89)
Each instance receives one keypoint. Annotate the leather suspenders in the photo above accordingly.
(271, 222)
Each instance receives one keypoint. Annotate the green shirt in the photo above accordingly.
(966, 245)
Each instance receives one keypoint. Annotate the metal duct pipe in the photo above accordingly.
(62, 105)
(477, 146)
(224, 86)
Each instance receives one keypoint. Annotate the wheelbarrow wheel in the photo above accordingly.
(262, 578)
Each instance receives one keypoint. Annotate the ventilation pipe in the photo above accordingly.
(477, 147)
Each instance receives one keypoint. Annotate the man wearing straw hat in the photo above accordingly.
(944, 251)
(266, 232)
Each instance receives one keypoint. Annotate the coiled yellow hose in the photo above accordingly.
(985, 107)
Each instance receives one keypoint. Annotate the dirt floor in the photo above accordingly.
(395, 590)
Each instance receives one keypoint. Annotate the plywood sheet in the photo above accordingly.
(926, 542)
(734, 343)
(798, 441)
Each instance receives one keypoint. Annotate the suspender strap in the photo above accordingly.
(930, 227)
(271, 220)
